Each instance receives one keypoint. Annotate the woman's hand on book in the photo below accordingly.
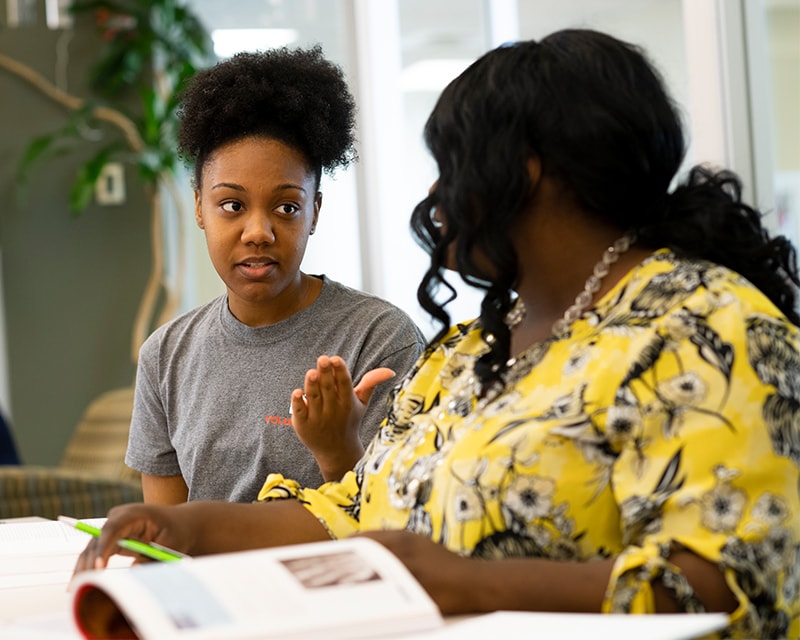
(139, 522)
(203, 527)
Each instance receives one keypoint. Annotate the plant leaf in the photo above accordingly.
(83, 187)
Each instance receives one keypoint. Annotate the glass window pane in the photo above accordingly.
(783, 34)
(441, 38)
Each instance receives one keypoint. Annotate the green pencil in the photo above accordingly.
(153, 550)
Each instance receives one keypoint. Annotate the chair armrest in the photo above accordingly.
(49, 492)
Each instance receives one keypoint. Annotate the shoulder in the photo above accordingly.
(666, 284)
(336, 291)
(460, 346)
(715, 314)
(184, 324)
(364, 308)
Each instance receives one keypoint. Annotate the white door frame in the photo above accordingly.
(729, 104)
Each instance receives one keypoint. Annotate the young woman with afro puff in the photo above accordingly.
(212, 412)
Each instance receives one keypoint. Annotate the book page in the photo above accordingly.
(348, 589)
(43, 552)
(46, 536)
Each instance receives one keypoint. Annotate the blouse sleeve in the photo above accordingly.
(335, 504)
(713, 466)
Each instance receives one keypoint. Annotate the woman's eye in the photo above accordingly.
(232, 207)
(287, 209)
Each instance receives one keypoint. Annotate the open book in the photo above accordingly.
(353, 588)
(37, 551)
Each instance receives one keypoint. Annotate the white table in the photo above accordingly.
(35, 605)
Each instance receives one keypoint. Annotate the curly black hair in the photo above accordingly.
(293, 95)
(596, 113)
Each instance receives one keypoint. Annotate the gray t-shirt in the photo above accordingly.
(212, 398)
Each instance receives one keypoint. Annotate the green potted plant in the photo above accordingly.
(151, 47)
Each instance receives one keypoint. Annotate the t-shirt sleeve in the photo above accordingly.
(149, 448)
(393, 341)
(708, 473)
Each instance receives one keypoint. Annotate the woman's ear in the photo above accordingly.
(197, 215)
(534, 171)
(317, 207)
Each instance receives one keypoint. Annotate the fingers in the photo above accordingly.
(299, 407)
(87, 559)
(330, 379)
(320, 387)
(340, 373)
(331, 382)
(312, 396)
(327, 380)
(370, 380)
(96, 554)
(136, 521)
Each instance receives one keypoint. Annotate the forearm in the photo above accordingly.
(200, 528)
(217, 527)
(529, 584)
(548, 585)
(461, 585)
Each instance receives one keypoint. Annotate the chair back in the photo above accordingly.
(101, 437)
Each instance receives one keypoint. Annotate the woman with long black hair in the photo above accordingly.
(619, 429)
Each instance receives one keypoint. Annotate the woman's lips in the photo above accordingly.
(256, 269)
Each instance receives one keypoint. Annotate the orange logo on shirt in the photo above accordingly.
(287, 422)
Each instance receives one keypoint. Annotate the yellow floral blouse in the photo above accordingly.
(669, 418)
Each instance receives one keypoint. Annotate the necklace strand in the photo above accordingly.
(561, 326)
(407, 478)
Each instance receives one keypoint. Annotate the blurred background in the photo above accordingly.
(71, 285)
